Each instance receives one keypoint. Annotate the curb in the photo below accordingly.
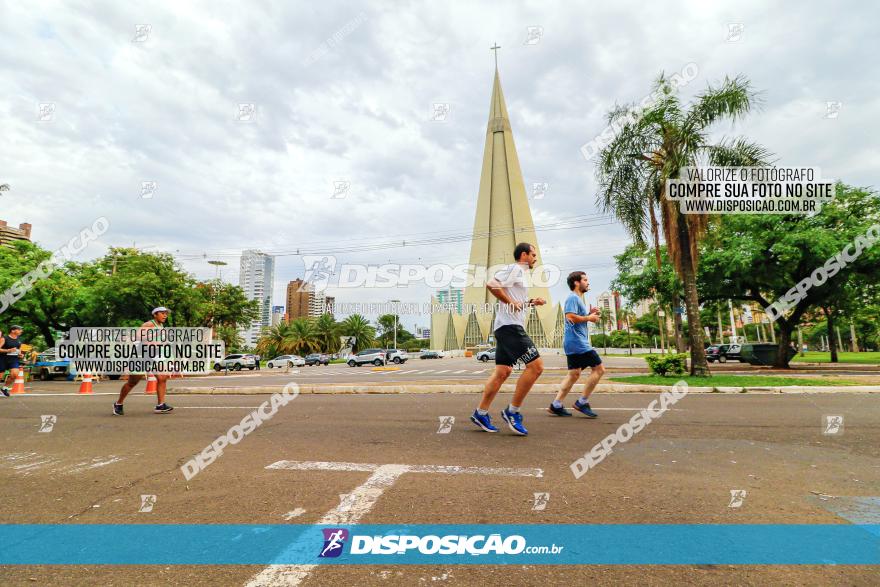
(478, 388)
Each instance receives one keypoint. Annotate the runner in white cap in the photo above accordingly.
(160, 315)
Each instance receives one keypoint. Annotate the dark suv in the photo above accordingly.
(723, 352)
(317, 359)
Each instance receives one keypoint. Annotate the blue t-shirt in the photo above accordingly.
(576, 337)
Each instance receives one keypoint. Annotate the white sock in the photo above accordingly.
(512, 409)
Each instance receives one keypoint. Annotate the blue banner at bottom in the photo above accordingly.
(447, 544)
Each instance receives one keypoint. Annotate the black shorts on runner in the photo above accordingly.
(8, 363)
(584, 360)
(513, 345)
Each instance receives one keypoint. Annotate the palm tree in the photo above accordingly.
(358, 327)
(273, 342)
(627, 316)
(302, 337)
(604, 319)
(651, 149)
(327, 331)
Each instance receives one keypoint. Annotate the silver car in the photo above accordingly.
(487, 355)
(286, 361)
(367, 356)
(396, 356)
(235, 363)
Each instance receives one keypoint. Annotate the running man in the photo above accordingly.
(576, 345)
(10, 352)
(511, 341)
(160, 315)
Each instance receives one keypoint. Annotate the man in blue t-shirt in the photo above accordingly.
(576, 345)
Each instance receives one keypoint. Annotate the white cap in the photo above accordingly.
(159, 309)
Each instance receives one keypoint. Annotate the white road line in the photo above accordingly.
(358, 503)
(443, 371)
(463, 371)
(428, 371)
(622, 409)
(217, 407)
(73, 394)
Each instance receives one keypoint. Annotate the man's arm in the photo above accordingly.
(576, 319)
(497, 289)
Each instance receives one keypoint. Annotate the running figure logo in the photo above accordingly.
(833, 425)
(319, 269)
(334, 539)
(147, 503)
(47, 423)
(446, 423)
(541, 500)
(737, 497)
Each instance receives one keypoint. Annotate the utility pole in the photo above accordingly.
(800, 341)
(720, 328)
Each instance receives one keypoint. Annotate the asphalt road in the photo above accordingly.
(93, 467)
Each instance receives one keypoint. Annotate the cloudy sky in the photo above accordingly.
(345, 92)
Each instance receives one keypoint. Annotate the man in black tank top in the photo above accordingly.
(10, 351)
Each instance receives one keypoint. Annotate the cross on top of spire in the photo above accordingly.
(495, 49)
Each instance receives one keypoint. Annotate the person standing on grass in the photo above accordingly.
(512, 342)
(576, 345)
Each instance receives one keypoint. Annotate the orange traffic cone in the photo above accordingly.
(18, 386)
(86, 386)
(152, 384)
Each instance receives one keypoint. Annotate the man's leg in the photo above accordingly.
(596, 374)
(129, 385)
(524, 384)
(493, 384)
(567, 383)
(161, 386)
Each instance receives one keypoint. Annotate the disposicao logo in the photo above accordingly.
(334, 540)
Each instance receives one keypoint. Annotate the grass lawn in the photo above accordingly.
(730, 380)
(843, 357)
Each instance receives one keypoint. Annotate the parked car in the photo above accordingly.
(47, 366)
(316, 359)
(429, 355)
(366, 356)
(723, 353)
(235, 363)
(286, 361)
(486, 355)
(396, 356)
(734, 353)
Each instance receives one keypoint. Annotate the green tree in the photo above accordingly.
(43, 307)
(651, 149)
(360, 328)
(759, 258)
(327, 332)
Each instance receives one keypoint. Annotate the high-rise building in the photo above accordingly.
(451, 295)
(502, 220)
(9, 233)
(609, 303)
(304, 301)
(256, 278)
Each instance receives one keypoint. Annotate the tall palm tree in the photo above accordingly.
(651, 149)
(302, 337)
(274, 340)
(358, 327)
(327, 331)
(627, 316)
(604, 319)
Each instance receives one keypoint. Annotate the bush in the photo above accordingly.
(667, 364)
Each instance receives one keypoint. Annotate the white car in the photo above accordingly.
(286, 361)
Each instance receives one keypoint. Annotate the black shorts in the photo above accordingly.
(513, 345)
(584, 360)
(8, 362)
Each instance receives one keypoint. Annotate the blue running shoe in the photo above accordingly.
(585, 410)
(514, 421)
(484, 422)
(560, 411)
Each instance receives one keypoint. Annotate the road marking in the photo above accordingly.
(356, 504)
(443, 371)
(463, 371)
(217, 407)
(72, 393)
(623, 409)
